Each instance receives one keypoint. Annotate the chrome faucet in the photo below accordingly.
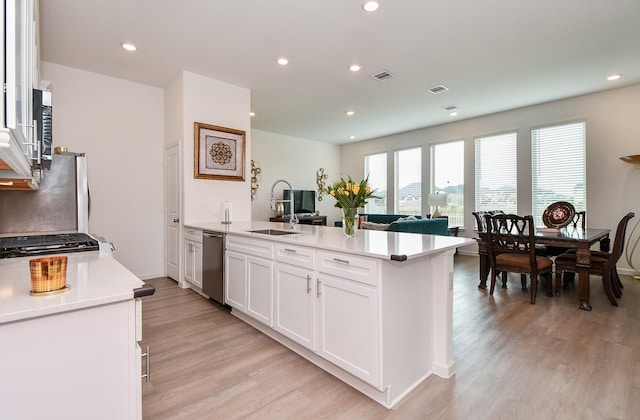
(293, 219)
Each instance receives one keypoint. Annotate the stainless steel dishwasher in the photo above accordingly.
(213, 265)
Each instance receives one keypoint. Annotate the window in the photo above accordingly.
(408, 185)
(447, 175)
(496, 173)
(558, 171)
(375, 167)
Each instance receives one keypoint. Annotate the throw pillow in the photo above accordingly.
(374, 226)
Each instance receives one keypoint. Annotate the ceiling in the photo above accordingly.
(493, 55)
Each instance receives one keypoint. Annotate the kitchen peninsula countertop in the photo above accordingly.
(397, 246)
(94, 279)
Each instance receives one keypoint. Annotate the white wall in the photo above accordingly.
(118, 124)
(213, 102)
(613, 130)
(297, 161)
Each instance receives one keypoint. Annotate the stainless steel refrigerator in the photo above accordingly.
(61, 204)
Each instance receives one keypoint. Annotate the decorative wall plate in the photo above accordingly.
(558, 215)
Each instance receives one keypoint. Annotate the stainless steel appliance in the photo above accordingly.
(61, 204)
(53, 219)
(57, 243)
(213, 265)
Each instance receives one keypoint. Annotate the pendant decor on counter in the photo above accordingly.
(349, 222)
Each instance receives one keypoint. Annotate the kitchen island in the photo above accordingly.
(73, 354)
(374, 310)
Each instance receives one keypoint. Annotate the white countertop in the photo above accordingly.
(94, 279)
(373, 243)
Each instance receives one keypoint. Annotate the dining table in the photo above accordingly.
(568, 237)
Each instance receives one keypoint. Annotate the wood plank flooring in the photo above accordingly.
(514, 361)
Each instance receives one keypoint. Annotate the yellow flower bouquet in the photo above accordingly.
(350, 196)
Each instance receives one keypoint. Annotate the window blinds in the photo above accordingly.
(558, 172)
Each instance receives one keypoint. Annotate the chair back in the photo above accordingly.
(510, 233)
(480, 218)
(618, 242)
(579, 220)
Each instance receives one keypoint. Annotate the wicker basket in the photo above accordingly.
(48, 274)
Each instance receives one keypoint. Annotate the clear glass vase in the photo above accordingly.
(350, 222)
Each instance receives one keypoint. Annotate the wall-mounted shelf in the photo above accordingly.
(631, 159)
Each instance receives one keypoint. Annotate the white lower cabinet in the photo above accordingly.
(259, 289)
(193, 258)
(295, 304)
(326, 302)
(249, 277)
(235, 280)
(348, 326)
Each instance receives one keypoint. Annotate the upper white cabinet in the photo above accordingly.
(20, 74)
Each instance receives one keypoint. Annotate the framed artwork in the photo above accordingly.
(218, 152)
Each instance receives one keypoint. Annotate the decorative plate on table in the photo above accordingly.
(558, 215)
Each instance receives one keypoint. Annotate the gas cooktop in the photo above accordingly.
(56, 243)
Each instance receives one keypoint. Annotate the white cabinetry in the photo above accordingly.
(19, 75)
(81, 364)
(193, 258)
(259, 289)
(249, 278)
(295, 304)
(295, 294)
(348, 317)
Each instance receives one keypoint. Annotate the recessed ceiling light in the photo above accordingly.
(283, 61)
(370, 6)
(453, 113)
(350, 113)
(614, 76)
(355, 67)
(352, 137)
(128, 46)
(252, 114)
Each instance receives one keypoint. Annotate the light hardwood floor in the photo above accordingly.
(514, 361)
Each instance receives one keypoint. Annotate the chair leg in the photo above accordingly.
(558, 284)
(504, 279)
(523, 282)
(534, 288)
(606, 283)
(493, 281)
(548, 283)
(615, 283)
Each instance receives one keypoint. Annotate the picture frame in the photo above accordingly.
(219, 152)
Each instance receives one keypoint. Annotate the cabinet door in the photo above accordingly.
(193, 263)
(294, 301)
(259, 286)
(348, 327)
(188, 261)
(235, 280)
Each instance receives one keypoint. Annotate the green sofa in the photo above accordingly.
(415, 224)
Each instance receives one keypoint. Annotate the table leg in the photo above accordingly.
(583, 261)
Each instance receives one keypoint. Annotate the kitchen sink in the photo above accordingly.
(273, 232)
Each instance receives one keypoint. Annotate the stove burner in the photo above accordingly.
(57, 243)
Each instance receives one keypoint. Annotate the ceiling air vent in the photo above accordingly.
(438, 89)
(383, 75)
(450, 108)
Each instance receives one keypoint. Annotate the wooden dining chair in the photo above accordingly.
(602, 263)
(512, 249)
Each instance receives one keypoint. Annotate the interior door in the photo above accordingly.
(172, 211)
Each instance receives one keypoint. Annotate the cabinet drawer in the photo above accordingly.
(364, 270)
(296, 255)
(194, 235)
(250, 246)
